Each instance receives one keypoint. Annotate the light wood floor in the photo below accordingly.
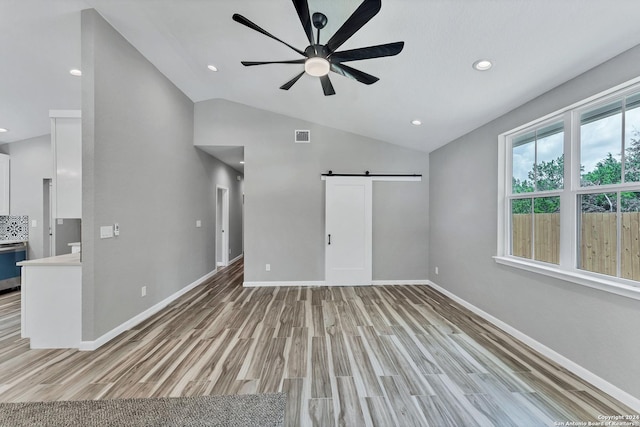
(400, 356)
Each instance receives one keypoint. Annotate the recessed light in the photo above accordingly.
(3, 130)
(242, 162)
(212, 67)
(416, 122)
(75, 72)
(482, 65)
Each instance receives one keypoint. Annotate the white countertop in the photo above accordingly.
(9, 242)
(66, 260)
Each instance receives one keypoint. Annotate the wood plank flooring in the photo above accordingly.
(348, 356)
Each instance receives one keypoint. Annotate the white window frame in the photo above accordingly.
(567, 268)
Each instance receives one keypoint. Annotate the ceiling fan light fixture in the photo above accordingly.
(317, 66)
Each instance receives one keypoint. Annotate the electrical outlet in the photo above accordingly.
(437, 270)
(268, 267)
(143, 291)
(198, 223)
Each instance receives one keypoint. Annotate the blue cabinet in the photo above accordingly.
(9, 271)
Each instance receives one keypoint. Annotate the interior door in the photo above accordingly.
(222, 226)
(348, 231)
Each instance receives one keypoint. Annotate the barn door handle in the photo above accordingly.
(329, 238)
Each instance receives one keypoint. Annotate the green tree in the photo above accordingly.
(546, 176)
(632, 159)
(549, 175)
(607, 171)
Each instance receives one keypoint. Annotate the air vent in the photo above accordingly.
(303, 137)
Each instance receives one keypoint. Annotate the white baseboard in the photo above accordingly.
(624, 397)
(283, 283)
(399, 282)
(323, 283)
(93, 345)
(221, 264)
(238, 258)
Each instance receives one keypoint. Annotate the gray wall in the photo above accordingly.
(595, 329)
(284, 195)
(140, 169)
(67, 232)
(31, 162)
(225, 176)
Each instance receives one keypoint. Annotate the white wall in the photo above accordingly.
(595, 329)
(31, 162)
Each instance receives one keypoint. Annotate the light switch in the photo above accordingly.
(106, 232)
(34, 222)
(60, 221)
(116, 229)
(198, 223)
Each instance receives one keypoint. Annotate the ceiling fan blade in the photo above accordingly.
(244, 21)
(250, 63)
(302, 7)
(352, 73)
(291, 82)
(327, 87)
(367, 10)
(389, 49)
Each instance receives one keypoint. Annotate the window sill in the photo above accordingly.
(595, 281)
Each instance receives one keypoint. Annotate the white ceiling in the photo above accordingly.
(534, 44)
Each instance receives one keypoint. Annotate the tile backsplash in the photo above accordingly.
(14, 227)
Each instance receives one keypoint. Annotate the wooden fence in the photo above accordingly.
(598, 241)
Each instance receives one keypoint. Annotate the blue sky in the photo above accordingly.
(597, 140)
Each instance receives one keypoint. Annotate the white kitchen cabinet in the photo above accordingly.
(4, 184)
(66, 143)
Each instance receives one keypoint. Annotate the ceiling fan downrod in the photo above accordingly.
(319, 21)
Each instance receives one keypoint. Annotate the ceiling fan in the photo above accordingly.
(319, 59)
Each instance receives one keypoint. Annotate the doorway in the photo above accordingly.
(348, 225)
(48, 229)
(222, 226)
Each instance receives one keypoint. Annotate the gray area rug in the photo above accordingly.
(241, 410)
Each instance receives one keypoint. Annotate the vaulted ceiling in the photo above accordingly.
(534, 45)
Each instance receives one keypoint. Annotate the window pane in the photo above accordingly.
(523, 158)
(601, 145)
(630, 251)
(550, 166)
(521, 228)
(598, 233)
(546, 229)
(632, 139)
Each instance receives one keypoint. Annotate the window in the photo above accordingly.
(569, 201)
(610, 158)
(537, 170)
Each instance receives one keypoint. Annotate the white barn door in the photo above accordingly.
(348, 228)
